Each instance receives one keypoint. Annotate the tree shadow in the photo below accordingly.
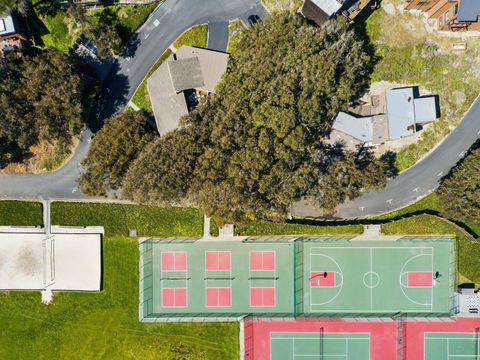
(131, 46)
(47, 7)
(390, 159)
(110, 100)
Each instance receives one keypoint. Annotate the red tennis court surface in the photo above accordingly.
(218, 297)
(262, 260)
(174, 297)
(420, 279)
(217, 260)
(389, 340)
(262, 296)
(174, 261)
(322, 279)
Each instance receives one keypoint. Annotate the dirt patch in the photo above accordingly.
(43, 157)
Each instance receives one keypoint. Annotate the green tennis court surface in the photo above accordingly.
(378, 277)
(452, 346)
(297, 277)
(325, 346)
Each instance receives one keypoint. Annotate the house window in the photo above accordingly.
(2, 25)
(447, 16)
(455, 9)
(440, 21)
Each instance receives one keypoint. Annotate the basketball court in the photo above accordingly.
(295, 278)
(378, 277)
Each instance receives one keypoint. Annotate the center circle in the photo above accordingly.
(371, 279)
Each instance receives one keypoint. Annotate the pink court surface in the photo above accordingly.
(385, 339)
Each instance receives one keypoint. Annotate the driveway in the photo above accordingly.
(218, 36)
(415, 182)
(164, 25)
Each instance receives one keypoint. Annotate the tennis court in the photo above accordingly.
(320, 345)
(452, 346)
(295, 278)
(374, 277)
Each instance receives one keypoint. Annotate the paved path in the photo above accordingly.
(218, 35)
(417, 181)
(165, 24)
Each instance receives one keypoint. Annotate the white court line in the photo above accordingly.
(371, 288)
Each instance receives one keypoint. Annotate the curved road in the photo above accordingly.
(414, 183)
(164, 25)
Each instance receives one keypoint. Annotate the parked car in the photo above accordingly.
(253, 19)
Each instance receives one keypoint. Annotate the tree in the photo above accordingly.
(77, 12)
(118, 143)
(106, 39)
(256, 145)
(41, 98)
(459, 193)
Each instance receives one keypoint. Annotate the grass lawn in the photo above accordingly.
(119, 218)
(196, 36)
(105, 325)
(235, 29)
(60, 31)
(408, 54)
(20, 213)
(468, 252)
(271, 228)
(141, 97)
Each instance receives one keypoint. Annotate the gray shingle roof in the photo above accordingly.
(186, 73)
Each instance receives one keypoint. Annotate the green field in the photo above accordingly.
(118, 219)
(452, 346)
(20, 213)
(196, 36)
(105, 325)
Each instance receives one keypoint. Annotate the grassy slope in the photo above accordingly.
(196, 36)
(105, 325)
(410, 55)
(118, 218)
(60, 32)
(141, 97)
(20, 213)
(270, 228)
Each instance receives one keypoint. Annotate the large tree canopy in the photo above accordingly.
(460, 191)
(256, 145)
(40, 97)
(112, 150)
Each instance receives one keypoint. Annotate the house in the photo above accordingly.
(176, 86)
(319, 11)
(13, 34)
(448, 14)
(405, 113)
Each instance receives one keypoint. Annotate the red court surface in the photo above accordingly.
(262, 296)
(416, 330)
(262, 260)
(385, 334)
(322, 279)
(420, 279)
(217, 260)
(218, 297)
(174, 261)
(174, 297)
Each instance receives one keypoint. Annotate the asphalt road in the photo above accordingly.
(164, 25)
(414, 183)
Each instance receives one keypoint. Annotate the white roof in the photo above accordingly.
(330, 7)
(401, 112)
(35, 261)
(425, 109)
(6, 25)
